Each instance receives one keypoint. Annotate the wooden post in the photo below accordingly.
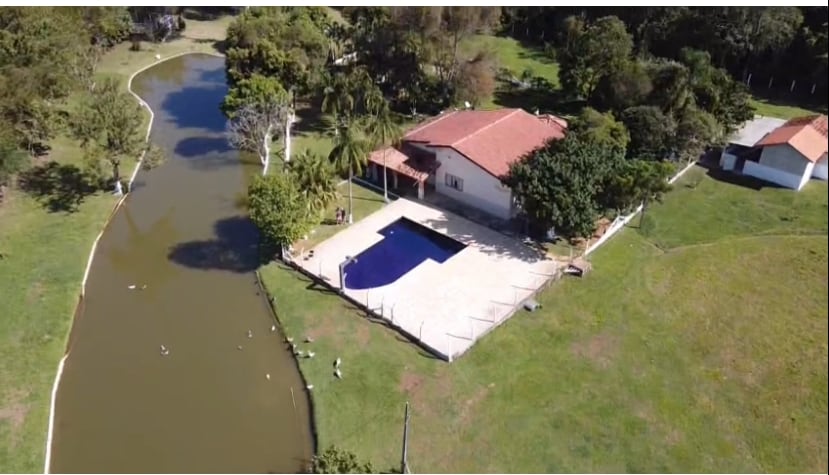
(404, 463)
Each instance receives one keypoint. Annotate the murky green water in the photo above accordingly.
(207, 406)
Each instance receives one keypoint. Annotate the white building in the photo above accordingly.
(786, 153)
(464, 154)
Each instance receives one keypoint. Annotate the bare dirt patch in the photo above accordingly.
(13, 412)
(600, 349)
(409, 382)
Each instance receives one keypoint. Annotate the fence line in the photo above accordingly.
(620, 222)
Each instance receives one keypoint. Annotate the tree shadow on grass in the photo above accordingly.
(531, 99)
(745, 181)
(219, 46)
(234, 248)
(58, 187)
(309, 119)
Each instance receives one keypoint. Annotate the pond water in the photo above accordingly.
(207, 406)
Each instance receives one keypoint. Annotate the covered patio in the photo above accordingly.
(411, 164)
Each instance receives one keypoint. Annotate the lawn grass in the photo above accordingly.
(44, 256)
(781, 110)
(516, 57)
(366, 201)
(708, 355)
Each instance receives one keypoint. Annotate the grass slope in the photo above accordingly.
(45, 255)
(707, 355)
(781, 110)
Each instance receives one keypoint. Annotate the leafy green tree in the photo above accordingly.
(651, 132)
(285, 43)
(279, 208)
(598, 50)
(384, 132)
(696, 131)
(336, 460)
(350, 154)
(625, 87)
(635, 182)
(315, 177)
(601, 128)
(558, 184)
(108, 125)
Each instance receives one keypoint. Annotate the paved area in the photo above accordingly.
(446, 306)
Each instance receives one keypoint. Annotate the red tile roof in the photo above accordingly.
(406, 160)
(807, 135)
(490, 139)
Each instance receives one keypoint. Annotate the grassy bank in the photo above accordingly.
(45, 242)
(696, 345)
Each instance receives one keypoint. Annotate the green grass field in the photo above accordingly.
(700, 347)
(769, 108)
(44, 257)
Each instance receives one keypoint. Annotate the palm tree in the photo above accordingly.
(337, 99)
(316, 178)
(349, 153)
(384, 131)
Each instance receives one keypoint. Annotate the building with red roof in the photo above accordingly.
(463, 154)
(788, 154)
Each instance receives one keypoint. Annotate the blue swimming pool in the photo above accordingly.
(404, 246)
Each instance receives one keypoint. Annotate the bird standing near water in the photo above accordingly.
(337, 362)
(338, 374)
(164, 350)
(250, 333)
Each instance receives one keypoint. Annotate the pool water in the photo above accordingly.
(405, 245)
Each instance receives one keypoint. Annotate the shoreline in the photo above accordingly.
(115, 208)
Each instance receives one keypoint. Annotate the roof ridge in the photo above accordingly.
(454, 144)
(428, 123)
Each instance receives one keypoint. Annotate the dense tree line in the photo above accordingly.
(784, 43)
(48, 54)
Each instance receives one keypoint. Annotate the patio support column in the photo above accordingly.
(420, 190)
(394, 174)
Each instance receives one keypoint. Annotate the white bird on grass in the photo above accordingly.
(310, 354)
(300, 353)
(309, 387)
(250, 333)
(268, 376)
(290, 339)
(337, 362)
(338, 374)
(164, 351)
(308, 339)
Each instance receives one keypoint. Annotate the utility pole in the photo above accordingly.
(404, 463)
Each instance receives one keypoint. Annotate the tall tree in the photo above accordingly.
(108, 125)
(635, 182)
(385, 133)
(286, 43)
(601, 128)
(279, 209)
(349, 154)
(558, 184)
(258, 108)
(475, 81)
(651, 132)
(597, 50)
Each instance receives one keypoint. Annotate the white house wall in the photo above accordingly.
(480, 189)
(781, 164)
(820, 168)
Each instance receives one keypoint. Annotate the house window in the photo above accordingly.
(454, 182)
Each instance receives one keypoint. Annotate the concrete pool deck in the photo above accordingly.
(448, 306)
